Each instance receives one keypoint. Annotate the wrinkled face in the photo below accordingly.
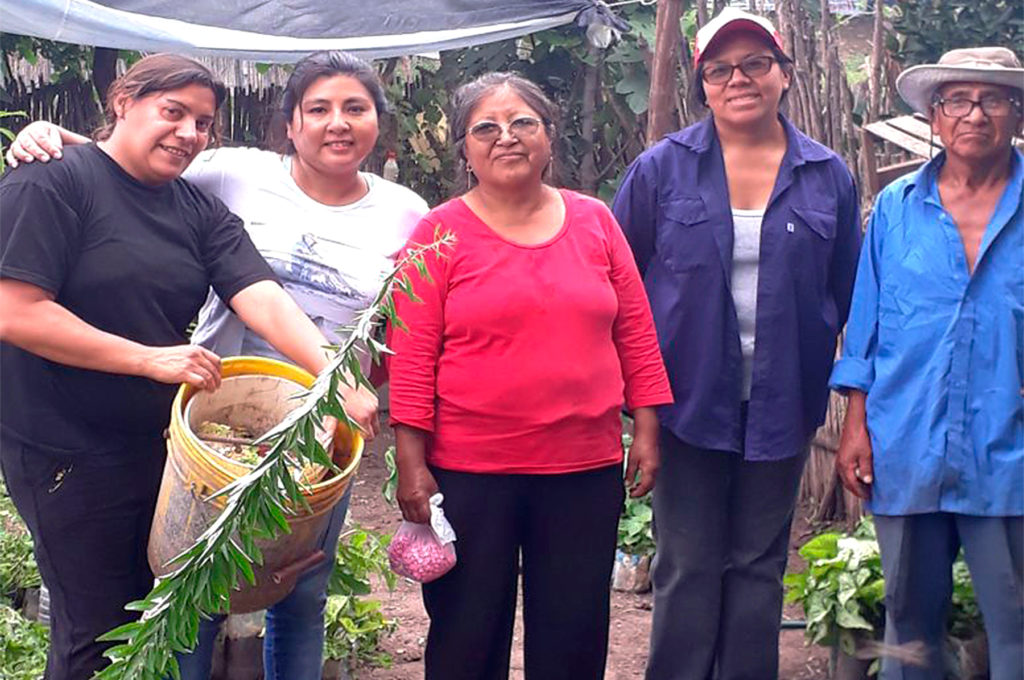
(515, 152)
(158, 135)
(743, 99)
(977, 135)
(334, 126)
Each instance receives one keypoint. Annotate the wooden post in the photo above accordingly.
(877, 54)
(661, 102)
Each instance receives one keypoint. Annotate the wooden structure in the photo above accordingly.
(912, 135)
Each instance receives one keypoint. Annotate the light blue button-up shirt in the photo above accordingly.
(940, 353)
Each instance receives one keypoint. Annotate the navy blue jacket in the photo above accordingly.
(674, 208)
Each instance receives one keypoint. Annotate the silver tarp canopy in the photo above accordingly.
(286, 30)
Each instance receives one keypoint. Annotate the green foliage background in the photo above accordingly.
(924, 29)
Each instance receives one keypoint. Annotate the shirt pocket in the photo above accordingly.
(809, 238)
(820, 223)
(684, 234)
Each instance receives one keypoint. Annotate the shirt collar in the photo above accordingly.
(800, 148)
(925, 180)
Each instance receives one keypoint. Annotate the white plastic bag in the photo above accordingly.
(424, 552)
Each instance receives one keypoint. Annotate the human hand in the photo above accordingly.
(854, 459)
(39, 140)
(361, 406)
(415, 487)
(190, 364)
(645, 458)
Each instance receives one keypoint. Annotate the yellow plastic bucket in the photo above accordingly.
(194, 471)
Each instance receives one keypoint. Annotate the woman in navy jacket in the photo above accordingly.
(747, 234)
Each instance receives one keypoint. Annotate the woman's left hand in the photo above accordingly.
(645, 459)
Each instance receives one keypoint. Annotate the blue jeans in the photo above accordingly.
(294, 641)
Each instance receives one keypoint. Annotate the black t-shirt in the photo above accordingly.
(130, 259)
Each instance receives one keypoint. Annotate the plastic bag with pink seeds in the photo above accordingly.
(424, 552)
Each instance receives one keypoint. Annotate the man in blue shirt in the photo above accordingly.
(932, 363)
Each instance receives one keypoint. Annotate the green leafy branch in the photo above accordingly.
(257, 504)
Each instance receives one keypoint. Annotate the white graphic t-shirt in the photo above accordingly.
(331, 259)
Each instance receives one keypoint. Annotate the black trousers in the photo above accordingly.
(564, 528)
(89, 517)
(721, 524)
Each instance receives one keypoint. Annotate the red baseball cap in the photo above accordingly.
(731, 20)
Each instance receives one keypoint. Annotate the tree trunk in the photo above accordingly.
(661, 104)
(591, 89)
(104, 70)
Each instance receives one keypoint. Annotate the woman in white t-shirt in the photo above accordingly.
(330, 233)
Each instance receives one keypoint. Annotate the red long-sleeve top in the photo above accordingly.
(519, 357)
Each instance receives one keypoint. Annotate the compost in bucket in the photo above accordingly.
(256, 394)
(229, 420)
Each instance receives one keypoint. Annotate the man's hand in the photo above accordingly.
(854, 459)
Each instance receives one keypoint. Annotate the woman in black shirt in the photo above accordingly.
(104, 261)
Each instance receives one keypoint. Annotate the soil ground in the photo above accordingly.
(630, 618)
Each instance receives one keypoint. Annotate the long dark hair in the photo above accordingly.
(306, 72)
(468, 96)
(159, 73)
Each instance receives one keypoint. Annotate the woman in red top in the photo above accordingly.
(533, 332)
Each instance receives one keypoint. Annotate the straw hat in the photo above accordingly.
(731, 20)
(992, 65)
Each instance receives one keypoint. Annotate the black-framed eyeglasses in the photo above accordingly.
(752, 67)
(992, 106)
(520, 128)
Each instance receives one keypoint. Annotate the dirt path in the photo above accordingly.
(630, 619)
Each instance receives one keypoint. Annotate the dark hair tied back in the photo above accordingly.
(468, 97)
(307, 70)
(159, 73)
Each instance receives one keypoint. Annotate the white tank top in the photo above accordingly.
(746, 252)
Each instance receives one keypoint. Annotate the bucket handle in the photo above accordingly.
(291, 571)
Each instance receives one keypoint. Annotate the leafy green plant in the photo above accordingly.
(924, 29)
(354, 625)
(362, 553)
(841, 589)
(389, 488)
(257, 504)
(23, 646)
(635, 536)
(18, 569)
(8, 134)
(354, 629)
